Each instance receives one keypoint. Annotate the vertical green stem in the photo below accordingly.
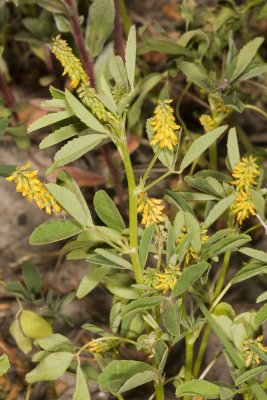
(223, 273)
(159, 391)
(189, 349)
(132, 213)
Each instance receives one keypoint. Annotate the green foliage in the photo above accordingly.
(168, 276)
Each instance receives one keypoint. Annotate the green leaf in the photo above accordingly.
(120, 286)
(54, 342)
(61, 134)
(145, 242)
(142, 304)
(51, 368)
(253, 72)
(165, 47)
(114, 258)
(118, 72)
(17, 289)
(49, 119)
(231, 242)
(200, 145)
(193, 226)
(258, 351)
(6, 170)
(256, 254)
(197, 387)
(69, 202)
(65, 180)
(183, 246)
(261, 315)
(186, 37)
(130, 56)
(91, 280)
(262, 297)
(54, 231)
(180, 201)
(3, 124)
(4, 364)
(196, 73)
(33, 326)
(231, 351)
(248, 271)
(188, 277)
(83, 113)
(233, 148)
(99, 25)
(218, 210)
(119, 376)
(21, 340)
(250, 374)
(172, 318)
(259, 202)
(76, 148)
(81, 391)
(107, 211)
(31, 276)
(245, 56)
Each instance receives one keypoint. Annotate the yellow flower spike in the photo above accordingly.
(161, 281)
(88, 96)
(245, 173)
(71, 64)
(29, 185)
(151, 209)
(251, 358)
(163, 123)
(243, 206)
(103, 346)
(207, 122)
(191, 255)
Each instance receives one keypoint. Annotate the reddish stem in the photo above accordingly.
(119, 41)
(6, 92)
(78, 36)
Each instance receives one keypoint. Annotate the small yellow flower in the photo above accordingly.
(29, 185)
(163, 123)
(151, 209)
(161, 281)
(207, 122)
(251, 358)
(245, 173)
(71, 64)
(191, 255)
(243, 206)
(103, 346)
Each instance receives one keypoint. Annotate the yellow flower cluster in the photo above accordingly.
(29, 185)
(151, 209)
(161, 281)
(71, 64)
(251, 358)
(207, 122)
(89, 98)
(191, 255)
(103, 346)
(163, 123)
(244, 174)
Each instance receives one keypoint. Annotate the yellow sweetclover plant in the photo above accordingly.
(168, 274)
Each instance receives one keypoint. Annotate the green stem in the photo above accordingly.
(159, 391)
(223, 273)
(132, 213)
(150, 166)
(119, 397)
(201, 351)
(159, 179)
(257, 109)
(125, 19)
(188, 359)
